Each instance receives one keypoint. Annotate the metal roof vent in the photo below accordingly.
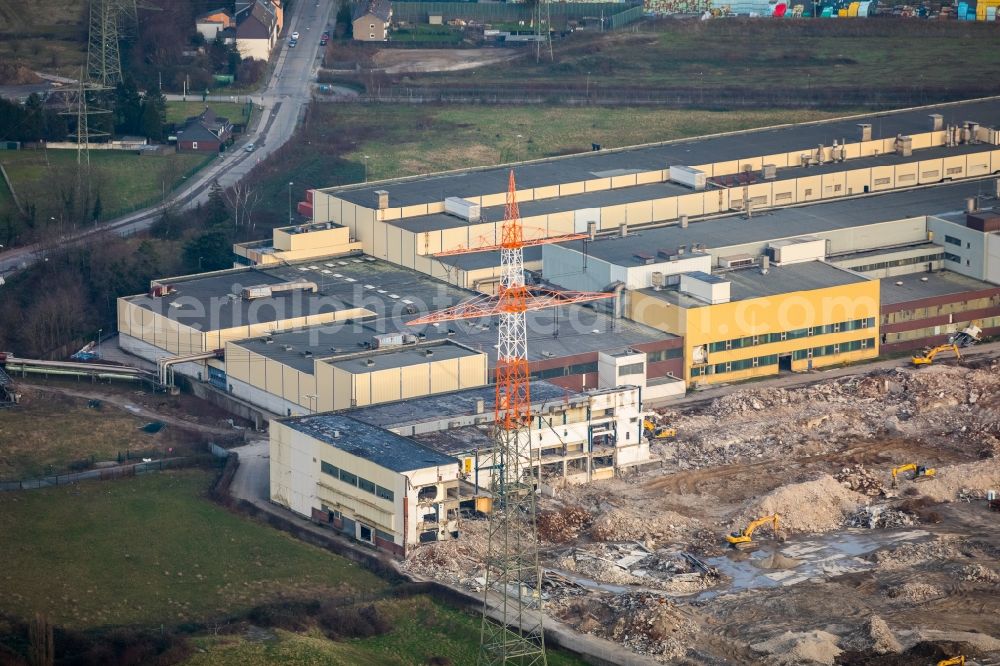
(429, 352)
(335, 434)
(369, 362)
(899, 283)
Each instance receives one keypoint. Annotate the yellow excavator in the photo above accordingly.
(656, 431)
(954, 661)
(920, 472)
(742, 540)
(929, 355)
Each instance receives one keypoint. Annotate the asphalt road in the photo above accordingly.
(282, 103)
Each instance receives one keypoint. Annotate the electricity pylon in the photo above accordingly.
(512, 632)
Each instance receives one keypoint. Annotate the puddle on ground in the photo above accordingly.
(821, 557)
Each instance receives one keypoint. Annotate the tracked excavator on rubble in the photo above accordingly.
(656, 431)
(920, 472)
(929, 355)
(743, 541)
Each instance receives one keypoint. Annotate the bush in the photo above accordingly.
(339, 623)
(288, 615)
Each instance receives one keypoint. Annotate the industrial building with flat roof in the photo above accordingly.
(408, 221)
(371, 484)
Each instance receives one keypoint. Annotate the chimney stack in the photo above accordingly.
(765, 264)
(866, 131)
(592, 230)
(937, 122)
(623, 229)
(684, 218)
(382, 197)
(971, 205)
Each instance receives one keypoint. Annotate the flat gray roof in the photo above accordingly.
(202, 302)
(864, 254)
(554, 333)
(789, 222)
(456, 403)
(457, 441)
(384, 448)
(473, 260)
(686, 152)
(750, 283)
(638, 193)
(917, 286)
(402, 357)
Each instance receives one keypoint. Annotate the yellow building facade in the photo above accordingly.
(753, 337)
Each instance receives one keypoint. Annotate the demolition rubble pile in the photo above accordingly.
(913, 592)
(945, 404)
(978, 573)
(792, 649)
(950, 481)
(880, 517)
(875, 636)
(619, 524)
(634, 564)
(820, 505)
(911, 554)
(458, 559)
(648, 624)
(861, 480)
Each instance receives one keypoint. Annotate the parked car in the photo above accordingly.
(295, 36)
(292, 44)
(250, 147)
(322, 42)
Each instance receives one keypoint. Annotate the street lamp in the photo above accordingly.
(290, 183)
(99, 332)
(199, 263)
(366, 168)
(312, 405)
(518, 145)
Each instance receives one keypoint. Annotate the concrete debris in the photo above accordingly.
(874, 636)
(564, 524)
(631, 525)
(950, 405)
(633, 564)
(794, 649)
(913, 592)
(913, 554)
(648, 624)
(861, 480)
(880, 516)
(979, 573)
(951, 480)
(819, 505)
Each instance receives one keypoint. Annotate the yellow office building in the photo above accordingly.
(762, 321)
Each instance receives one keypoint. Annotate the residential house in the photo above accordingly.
(258, 25)
(206, 133)
(210, 24)
(371, 21)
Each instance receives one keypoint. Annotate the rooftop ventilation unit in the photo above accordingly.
(737, 261)
(268, 290)
(463, 208)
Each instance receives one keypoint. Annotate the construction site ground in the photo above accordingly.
(863, 573)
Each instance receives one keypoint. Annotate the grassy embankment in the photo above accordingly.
(402, 140)
(152, 550)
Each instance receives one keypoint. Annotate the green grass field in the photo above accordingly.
(403, 140)
(50, 36)
(178, 112)
(152, 550)
(48, 431)
(422, 628)
(805, 55)
(125, 180)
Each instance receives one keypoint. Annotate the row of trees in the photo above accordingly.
(31, 121)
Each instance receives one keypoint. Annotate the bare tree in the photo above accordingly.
(243, 197)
